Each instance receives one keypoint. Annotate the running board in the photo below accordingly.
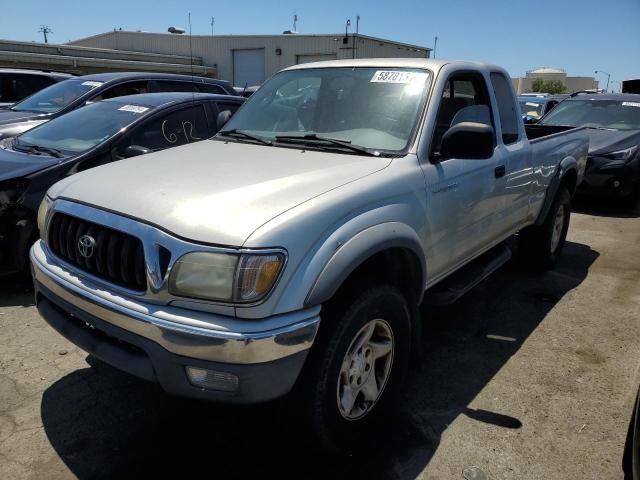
(457, 284)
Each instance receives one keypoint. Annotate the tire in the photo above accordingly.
(329, 374)
(631, 200)
(540, 246)
(631, 458)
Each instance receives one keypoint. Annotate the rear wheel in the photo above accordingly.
(631, 458)
(356, 368)
(631, 200)
(540, 246)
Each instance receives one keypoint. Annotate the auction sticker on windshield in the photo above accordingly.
(631, 104)
(91, 83)
(396, 76)
(133, 108)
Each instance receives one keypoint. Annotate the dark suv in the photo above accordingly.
(16, 84)
(73, 93)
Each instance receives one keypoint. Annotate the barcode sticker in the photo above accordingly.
(395, 76)
(133, 108)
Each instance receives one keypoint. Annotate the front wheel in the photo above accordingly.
(540, 246)
(356, 367)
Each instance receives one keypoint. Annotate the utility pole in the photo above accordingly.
(45, 30)
(213, 21)
(295, 21)
(435, 46)
(345, 40)
(355, 39)
(608, 78)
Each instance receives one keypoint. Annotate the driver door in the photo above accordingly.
(463, 196)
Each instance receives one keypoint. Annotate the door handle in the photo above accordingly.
(500, 171)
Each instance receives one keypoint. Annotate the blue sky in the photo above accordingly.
(578, 35)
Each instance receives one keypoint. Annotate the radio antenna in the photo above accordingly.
(193, 86)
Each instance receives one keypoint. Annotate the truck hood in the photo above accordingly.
(212, 191)
(17, 164)
(607, 141)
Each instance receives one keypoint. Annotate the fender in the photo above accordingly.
(567, 164)
(359, 248)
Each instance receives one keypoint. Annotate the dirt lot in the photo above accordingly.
(527, 377)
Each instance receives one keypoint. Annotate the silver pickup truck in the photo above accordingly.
(294, 248)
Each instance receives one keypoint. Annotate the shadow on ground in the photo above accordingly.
(15, 292)
(104, 423)
(605, 207)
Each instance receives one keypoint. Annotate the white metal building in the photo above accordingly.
(251, 59)
(572, 83)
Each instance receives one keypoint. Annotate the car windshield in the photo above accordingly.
(82, 129)
(54, 98)
(372, 108)
(613, 114)
(531, 109)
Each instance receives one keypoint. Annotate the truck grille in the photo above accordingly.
(106, 253)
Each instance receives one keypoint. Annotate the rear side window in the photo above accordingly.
(171, 86)
(172, 129)
(209, 88)
(16, 87)
(509, 117)
(128, 88)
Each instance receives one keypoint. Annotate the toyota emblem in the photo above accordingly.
(86, 246)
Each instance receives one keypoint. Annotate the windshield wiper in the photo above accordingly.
(38, 149)
(312, 138)
(240, 134)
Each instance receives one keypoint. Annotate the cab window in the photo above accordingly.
(464, 98)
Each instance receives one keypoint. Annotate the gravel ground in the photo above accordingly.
(527, 377)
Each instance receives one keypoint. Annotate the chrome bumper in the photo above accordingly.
(189, 333)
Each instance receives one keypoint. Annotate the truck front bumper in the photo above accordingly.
(207, 361)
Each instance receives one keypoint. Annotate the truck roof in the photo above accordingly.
(428, 63)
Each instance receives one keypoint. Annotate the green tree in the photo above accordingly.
(548, 86)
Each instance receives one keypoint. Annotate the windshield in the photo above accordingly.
(531, 109)
(82, 129)
(367, 107)
(614, 114)
(56, 97)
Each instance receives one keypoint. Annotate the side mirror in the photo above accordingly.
(529, 120)
(223, 118)
(468, 140)
(135, 150)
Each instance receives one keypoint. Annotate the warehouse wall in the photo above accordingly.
(218, 50)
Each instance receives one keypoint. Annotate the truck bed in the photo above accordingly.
(535, 131)
(557, 142)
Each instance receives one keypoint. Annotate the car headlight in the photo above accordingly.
(42, 214)
(244, 278)
(624, 155)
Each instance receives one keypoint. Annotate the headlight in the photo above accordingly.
(225, 277)
(612, 165)
(625, 154)
(42, 214)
